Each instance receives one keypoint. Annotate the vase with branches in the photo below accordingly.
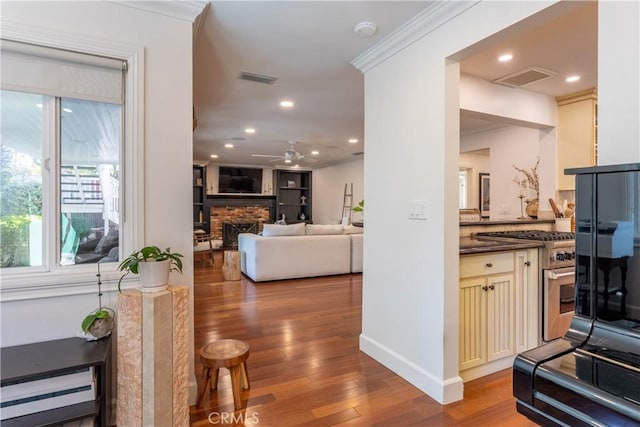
(530, 183)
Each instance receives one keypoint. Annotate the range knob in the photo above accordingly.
(559, 256)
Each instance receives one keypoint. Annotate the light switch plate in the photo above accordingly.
(418, 209)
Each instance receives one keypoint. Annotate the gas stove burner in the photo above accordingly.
(546, 236)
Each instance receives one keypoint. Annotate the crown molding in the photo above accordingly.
(431, 18)
(187, 10)
(577, 96)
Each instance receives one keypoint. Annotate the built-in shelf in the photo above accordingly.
(200, 212)
(292, 187)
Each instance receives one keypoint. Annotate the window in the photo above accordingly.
(62, 146)
(462, 188)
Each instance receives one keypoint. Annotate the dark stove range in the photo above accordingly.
(537, 235)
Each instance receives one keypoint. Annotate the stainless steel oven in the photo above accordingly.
(557, 284)
(558, 302)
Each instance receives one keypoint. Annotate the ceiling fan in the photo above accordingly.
(289, 156)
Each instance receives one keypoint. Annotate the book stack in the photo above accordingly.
(47, 393)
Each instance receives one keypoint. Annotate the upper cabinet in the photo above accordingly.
(293, 195)
(576, 132)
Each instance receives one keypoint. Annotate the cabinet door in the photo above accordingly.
(473, 321)
(527, 300)
(576, 135)
(500, 316)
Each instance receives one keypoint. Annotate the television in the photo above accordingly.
(239, 180)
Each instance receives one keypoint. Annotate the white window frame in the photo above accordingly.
(82, 279)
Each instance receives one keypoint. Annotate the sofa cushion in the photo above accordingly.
(315, 229)
(106, 243)
(269, 230)
(352, 229)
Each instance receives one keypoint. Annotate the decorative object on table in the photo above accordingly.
(484, 194)
(281, 221)
(522, 183)
(303, 216)
(532, 183)
(303, 200)
(99, 323)
(153, 265)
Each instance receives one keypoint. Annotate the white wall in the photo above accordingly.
(618, 82)
(167, 132)
(507, 105)
(508, 146)
(412, 102)
(411, 122)
(328, 189)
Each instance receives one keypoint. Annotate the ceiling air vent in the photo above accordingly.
(525, 77)
(258, 78)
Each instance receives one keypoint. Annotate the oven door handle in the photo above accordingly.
(554, 276)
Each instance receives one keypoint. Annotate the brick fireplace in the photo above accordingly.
(239, 210)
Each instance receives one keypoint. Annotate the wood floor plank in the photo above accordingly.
(305, 366)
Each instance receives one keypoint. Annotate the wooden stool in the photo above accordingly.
(230, 354)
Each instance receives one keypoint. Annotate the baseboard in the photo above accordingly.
(443, 391)
(487, 368)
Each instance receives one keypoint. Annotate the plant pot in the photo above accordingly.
(154, 275)
(101, 328)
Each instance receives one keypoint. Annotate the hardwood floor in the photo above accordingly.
(305, 368)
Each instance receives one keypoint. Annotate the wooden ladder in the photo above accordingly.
(347, 204)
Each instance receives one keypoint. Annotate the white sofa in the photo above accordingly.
(295, 251)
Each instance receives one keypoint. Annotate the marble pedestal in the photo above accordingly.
(152, 358)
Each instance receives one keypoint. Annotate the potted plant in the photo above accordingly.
(99, 323)
(153, 264)
(358, 208)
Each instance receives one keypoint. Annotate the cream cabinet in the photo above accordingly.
(576, 134)
(498, 310)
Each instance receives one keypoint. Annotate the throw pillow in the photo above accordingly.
(352, 229)
(315, 229)
(106, 243)
(269, 230)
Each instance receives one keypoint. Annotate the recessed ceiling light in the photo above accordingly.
(296, 166)
(287, 160)
(286, 104)
(39, 105)
(250, 130)
(67, 110)
(214, 156)
(505, 58)
(315, 152)
(353, 141)
(228, 145)
(572, 79)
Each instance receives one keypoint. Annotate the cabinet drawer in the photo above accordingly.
(481, 265)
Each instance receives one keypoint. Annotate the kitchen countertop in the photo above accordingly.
(473, 245)
(507, 222)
